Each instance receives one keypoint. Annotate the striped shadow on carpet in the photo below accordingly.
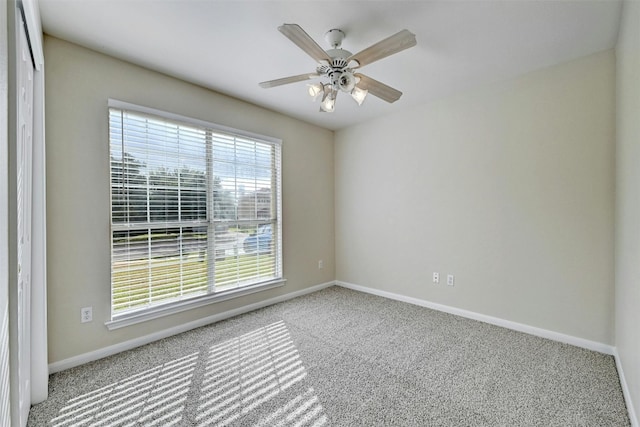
(339, 357)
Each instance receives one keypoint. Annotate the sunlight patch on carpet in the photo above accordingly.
(155, 396)
(252, 371)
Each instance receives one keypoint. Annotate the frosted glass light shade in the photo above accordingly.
(315, 90)
(359, 94)
(328, 104)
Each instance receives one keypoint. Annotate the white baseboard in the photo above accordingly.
(625, 390)
(81, 359)
(544, 333)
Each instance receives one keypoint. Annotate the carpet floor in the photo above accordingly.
(341, 358)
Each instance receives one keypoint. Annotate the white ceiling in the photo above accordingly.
(231, 46)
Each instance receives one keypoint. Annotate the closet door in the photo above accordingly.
(24, 162)
(5, 402)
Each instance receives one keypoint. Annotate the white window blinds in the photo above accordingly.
(194, 210)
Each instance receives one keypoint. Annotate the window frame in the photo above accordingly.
(119, 320)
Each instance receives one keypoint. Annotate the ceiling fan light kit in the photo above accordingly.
(359, 94)
(328, 103)
(315, 90)
(338, 66)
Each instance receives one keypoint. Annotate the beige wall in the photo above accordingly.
(78, 84)
(628, 198)
(510, 188)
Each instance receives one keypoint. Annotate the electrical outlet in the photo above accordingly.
(320, 264)
(450, 279)
(436, 277)
(86, 314)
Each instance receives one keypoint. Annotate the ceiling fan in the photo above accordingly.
(339, 66)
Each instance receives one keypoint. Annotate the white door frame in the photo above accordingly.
(38, 331)
(39, 356)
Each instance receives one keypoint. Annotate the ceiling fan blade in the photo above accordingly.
(287, 80)
(296, 34)
(393, 44)
(376, 88)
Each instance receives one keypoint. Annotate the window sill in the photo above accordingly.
(129, 319)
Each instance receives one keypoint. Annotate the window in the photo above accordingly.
(195, 211)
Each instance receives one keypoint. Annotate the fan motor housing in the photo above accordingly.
(340, 76)
(338, 53)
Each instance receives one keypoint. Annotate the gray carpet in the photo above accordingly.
(341, 358)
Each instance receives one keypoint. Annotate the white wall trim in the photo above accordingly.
(625, 390)
(532, 330)
(189, 304)
(81, 359)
